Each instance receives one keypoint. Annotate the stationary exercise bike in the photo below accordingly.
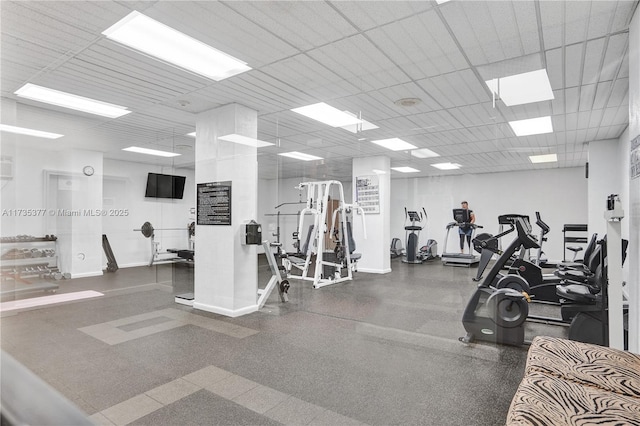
(497, 311)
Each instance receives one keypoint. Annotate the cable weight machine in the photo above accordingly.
(329, 266)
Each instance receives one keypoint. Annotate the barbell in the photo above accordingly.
(147, 229)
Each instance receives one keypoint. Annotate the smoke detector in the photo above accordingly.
(408, 102)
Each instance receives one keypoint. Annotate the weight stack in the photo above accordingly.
(327, 270)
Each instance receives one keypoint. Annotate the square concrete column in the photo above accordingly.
(226, 271)
(374, 172)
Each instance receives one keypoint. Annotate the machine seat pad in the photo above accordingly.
(576, 293)
(296, 260)
(413, 228)
(575, 276)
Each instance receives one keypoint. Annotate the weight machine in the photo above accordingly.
(277, 280)
(329, 265)
(148, 231)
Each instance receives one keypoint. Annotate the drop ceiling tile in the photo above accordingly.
(619, 92)
(603, 92)
(595, 118)
(220, 26)
(370, 14)
(622, 116)
(587, 94)
(555, 68)
(623, 13)
(457, 17)
(615, 51)
(583, 119)
(602, 13)
(592, 61)
(571, 99)
(557, 104)
(608, 116)
(357, 60)
(308, 24)
(576, 21)
(505, 26)
(553, 19)
(319, 82)
(66, 27)
(525, 15)
(571, 121)
(573, 64)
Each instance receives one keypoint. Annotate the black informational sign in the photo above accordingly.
(214, 203)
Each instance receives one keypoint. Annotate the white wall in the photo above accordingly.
(604, 179)
(512, 192)
(37, 186)
(560, 195)
(124, 188)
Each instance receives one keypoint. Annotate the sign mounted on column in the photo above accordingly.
(214, 203)
(368, 193)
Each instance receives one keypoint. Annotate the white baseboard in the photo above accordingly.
(374, 271)
(224, 311)
(87, 274)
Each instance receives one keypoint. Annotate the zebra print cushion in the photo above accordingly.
(609, 369)
(544, 400)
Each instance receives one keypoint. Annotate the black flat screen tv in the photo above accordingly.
(164, 186)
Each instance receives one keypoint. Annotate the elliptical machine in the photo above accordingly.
(414, 254)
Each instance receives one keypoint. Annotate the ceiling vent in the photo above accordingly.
(408, 102)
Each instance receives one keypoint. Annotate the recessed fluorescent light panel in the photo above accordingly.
(244, 140)
(327, 114)
(379, 172)
(447, 166)
(395, 144)
(405, 169)
(424, 153)
(142, 33)
(29, 132)
(192, 134)
(532, 126)
(68, 100)
(300, 156)
(546, 158)
(150, 151)
(522, 88)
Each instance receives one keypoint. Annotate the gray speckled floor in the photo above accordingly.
(380, 350)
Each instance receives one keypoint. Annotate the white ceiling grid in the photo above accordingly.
(360, 56)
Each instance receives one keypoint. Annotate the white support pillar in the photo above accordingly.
(614, 273)
(376, 248)
(634, 186)
(226, 271)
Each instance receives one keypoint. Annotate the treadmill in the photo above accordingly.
(461, 217)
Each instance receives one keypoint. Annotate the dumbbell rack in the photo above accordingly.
(28, 264)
